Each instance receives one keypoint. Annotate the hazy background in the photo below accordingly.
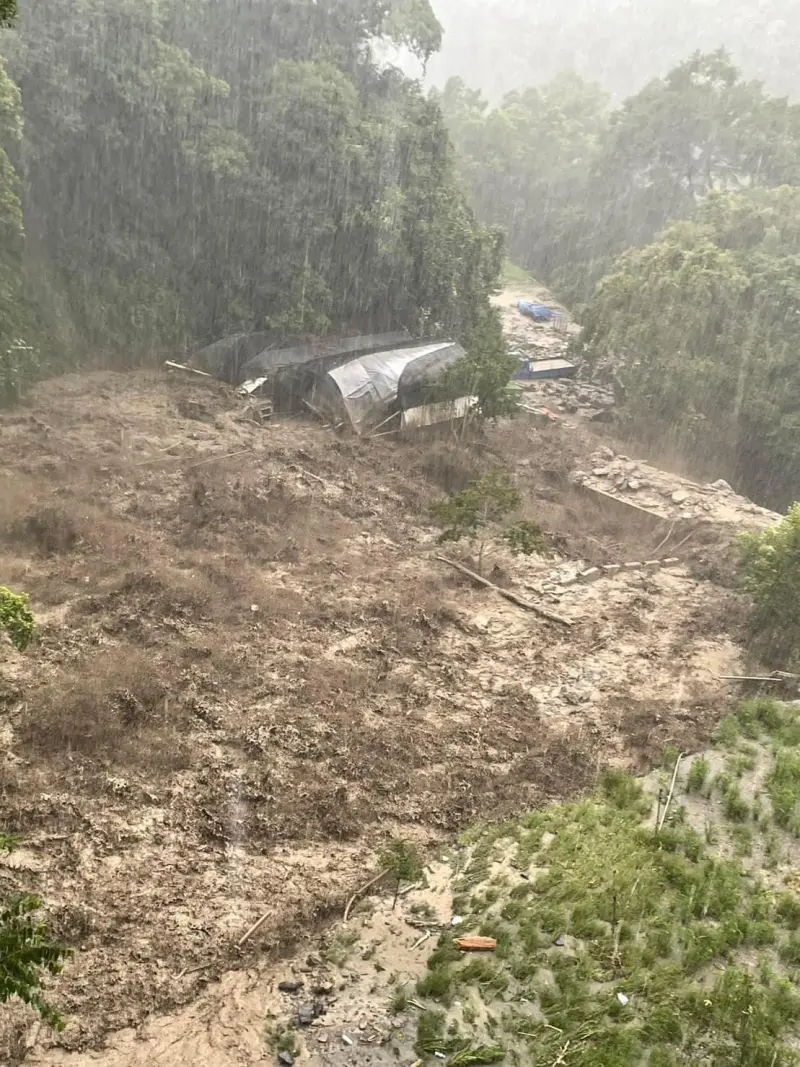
(499, 45)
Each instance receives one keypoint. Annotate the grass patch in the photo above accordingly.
(631, 947)
(698, 773)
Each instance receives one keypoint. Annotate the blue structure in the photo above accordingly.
(541, 369)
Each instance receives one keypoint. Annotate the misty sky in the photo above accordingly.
(499, 45)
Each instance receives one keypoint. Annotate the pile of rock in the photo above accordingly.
(670, 496)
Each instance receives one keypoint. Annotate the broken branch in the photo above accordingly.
(671, 791)
(507, 593)
(187, 368)
(363, 889)
(475, 944)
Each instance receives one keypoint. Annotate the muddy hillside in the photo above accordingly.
(254, 669)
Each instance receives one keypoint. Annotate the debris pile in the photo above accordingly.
(669, 496)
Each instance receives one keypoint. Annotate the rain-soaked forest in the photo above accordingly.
(181, 171)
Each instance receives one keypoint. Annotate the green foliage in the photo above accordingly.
(8, 12)
(26, 953)
(574, 184)
(484, 502)
(696, 778)
(479, 511)
(16, 618)
(403, 863)
(526, 538)
(238, 178)
(771, 576)
(700, 327)
(485, 371)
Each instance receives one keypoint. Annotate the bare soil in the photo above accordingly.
(252, 670)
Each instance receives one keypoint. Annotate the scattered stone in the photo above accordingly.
(722, 486)
(608, 453)
(322, 1039)
(680, 496)
(560, 941)
(631, 566)
(347, 1039)
(652, 565)
(322, 989)
(590, 576)
(634, 484)
(673, 561)
(290, 987)
(612, 568)
(568, 579)
(624, 1001)
(600, 472)
(575, 695)
(305, 1015)
(285, 1059)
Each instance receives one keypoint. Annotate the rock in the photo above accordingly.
(600, 472)
(608, 453)
(680, 496)
(290, 987)
(591, 575)
(652, 565)
(285, 1059)
(634, 484)
(722, 486)
(322, 1039)
(306, 1014)
(612, 568)
(322, 989)
(575, 695)
(560, 941)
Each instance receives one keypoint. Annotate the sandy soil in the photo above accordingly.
(252, 671)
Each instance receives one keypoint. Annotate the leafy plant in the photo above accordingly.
(27, 954)
(478, 511)
(771, 576)
(16, 618)
(403, 863)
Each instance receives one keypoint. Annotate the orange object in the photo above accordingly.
(475, 944)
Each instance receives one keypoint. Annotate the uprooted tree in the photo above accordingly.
(478, 513)
(771, 576)
(27, 955)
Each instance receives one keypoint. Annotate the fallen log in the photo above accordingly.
(475, 944)
(507, 593)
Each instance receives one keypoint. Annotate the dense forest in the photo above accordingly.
(189, 170)
(500, 45)
(172, 172)
(670, 224)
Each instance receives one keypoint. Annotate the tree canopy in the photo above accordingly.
(574, 183)
(191, 171)
(703, 326)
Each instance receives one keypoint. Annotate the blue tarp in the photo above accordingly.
(537, 312)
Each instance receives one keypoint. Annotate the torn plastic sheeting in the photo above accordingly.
(369, 385)
(434, 414)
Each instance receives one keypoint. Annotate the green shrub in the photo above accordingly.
(16, 618)
(696, 778)
(770, 565)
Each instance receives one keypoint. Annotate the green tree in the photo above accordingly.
(8, 12)
(403, 863)
(702, 327)
(484, 372)
(770, 562)
(27, 955)
(196, 171)
(478, 513)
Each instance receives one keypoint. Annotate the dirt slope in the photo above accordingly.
(252, 670)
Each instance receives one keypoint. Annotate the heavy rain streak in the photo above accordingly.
(399, 533)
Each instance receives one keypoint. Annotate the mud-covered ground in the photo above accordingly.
(252, 670)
